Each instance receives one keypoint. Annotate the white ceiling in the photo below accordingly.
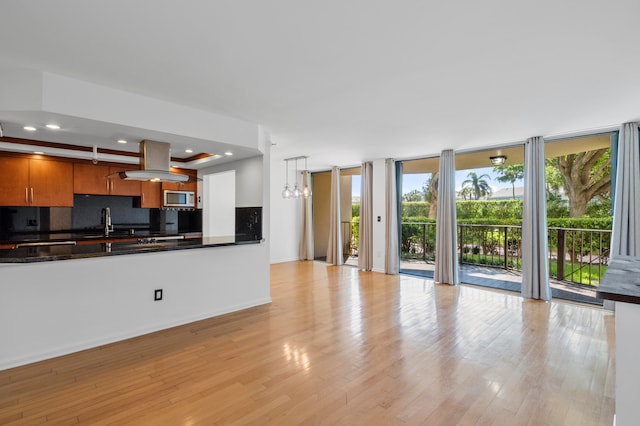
(352, 80)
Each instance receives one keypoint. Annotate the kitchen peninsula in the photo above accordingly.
(60, 299)
(621, 284)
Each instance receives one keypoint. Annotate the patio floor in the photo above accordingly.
(498, 278)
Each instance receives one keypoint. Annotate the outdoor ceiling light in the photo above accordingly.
(498, 160)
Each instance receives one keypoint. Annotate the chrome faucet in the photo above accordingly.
(106, 218)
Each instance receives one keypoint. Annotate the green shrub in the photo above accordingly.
(495, 209)
(415, 208)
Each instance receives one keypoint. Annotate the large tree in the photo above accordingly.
(415, 195)
(477, 186)
(510, 174)
(430, 190)
(585, 176)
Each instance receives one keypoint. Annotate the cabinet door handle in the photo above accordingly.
(26, 195)
(107, 183)
(32, 201)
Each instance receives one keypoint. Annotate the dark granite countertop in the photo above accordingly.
(621, 282)
(100, 249)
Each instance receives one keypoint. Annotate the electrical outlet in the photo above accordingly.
(32, 222)
(157, 295)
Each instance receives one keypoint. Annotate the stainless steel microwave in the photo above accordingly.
(180, 199)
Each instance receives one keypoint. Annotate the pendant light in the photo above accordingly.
(286, 192)
(296, 191)
(306, 191)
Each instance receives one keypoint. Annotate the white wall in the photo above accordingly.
(285, 222)
(219, 209)
(378, 210)
(249, 179)
(54, 308)
(77, 98)
(285, 219)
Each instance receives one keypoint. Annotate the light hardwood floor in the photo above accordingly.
(340, 346)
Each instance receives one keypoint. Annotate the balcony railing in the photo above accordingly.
(350, 239)
(575, 255)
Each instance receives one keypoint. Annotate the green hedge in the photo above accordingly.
(498, 209)
(415, 208)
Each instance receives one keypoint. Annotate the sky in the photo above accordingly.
(415, 181)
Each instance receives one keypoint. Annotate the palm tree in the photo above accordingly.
(477, 185)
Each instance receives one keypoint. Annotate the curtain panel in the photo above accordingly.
(446, 268)
(334, 249)
(625, 235)
(365, 245)
(535, 252)
(305, 250)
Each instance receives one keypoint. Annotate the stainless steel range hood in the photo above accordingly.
(155, 164)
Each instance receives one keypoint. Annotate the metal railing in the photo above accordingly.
(578, 256)
(349, 239)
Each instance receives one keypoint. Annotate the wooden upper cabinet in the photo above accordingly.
(150, 195)
(123, 187)
(32, 182)
(14, 181)
(187, 186)
(51, 183)
(90, 179)
(94, 179)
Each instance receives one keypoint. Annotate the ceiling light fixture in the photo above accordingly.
(52, 126)
(122, 141)
(296, 191)
(38, 152)
(188, 151)
(29, 128)
(228, 153)
(498, 160)
(306, 191)
(286, 192)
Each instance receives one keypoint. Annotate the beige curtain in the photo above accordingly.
(446, 268)
(334, 250)
(365, 246)
(305, 251)
(392, 250)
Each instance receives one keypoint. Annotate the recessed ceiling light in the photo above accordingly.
(52, 126)
(29, 128)
(228, 153)
(188, 151)
(122, 141)
(38, 152)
